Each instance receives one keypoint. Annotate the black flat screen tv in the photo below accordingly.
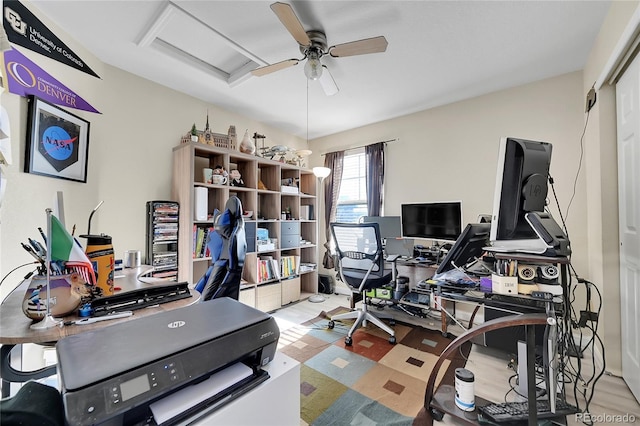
(440, 221)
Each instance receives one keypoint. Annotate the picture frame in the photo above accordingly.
(57, 142)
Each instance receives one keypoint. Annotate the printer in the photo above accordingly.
(173, 367)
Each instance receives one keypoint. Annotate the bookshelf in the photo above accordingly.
(281, 233)
(162, 239)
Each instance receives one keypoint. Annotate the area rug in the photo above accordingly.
(371, 382)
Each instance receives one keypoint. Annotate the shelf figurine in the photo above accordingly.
(235, 178)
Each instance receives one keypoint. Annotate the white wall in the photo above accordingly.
(451, 152)
(602, 182)
(130, 155)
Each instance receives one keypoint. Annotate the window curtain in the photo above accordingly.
(375, 178)
(334, 161)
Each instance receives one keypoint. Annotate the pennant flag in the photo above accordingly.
(25, 78)
(25, 29)
(66, 249)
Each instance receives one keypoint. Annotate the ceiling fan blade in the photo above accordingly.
(360, 47)
(288, 17)
(268, 69)
(327, 82)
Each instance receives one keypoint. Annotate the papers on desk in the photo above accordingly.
(179, 402)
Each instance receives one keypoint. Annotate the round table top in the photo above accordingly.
(15, 326)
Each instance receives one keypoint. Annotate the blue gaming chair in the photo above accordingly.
(228, 248)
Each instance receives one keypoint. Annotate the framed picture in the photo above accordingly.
(57, 142)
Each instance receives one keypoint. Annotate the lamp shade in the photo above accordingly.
(313, 67)
(321, 172)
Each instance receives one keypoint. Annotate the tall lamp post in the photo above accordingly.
(321, 173)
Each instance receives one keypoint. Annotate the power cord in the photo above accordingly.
(18, 267)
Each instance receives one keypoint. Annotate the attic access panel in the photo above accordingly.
(183, 36)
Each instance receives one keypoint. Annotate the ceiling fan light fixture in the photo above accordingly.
(313, 67)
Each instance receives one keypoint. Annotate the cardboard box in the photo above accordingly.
(504, 285)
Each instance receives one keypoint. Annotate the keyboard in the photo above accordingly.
(514, 411)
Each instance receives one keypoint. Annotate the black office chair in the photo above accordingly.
(361, 267)
(228, 246)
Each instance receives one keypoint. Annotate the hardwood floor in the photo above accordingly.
(611, 398)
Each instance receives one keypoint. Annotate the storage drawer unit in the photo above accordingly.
(250, 235)
(289, 234)
(248, 296)
(268, 297)
(290, 290)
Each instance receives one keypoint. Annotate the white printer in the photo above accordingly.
(168, 368)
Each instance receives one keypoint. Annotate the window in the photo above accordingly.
(352, 201)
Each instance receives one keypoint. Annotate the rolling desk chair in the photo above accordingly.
(228, 246)
(361, 267)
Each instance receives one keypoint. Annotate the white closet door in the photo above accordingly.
(628, 126)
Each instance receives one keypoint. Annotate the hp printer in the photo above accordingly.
(173, 367)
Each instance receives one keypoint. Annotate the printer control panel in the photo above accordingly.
(118, 394)
(125, 388)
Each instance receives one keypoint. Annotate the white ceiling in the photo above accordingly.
(439, 52)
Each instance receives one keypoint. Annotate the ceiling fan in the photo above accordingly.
(313, 45)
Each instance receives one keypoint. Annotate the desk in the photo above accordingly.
(16, 326)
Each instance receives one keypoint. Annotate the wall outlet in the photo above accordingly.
(591, 100)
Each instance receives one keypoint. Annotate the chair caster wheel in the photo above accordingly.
(348, 341)
(331, 325)
(436, 414)
(392, 340)
(392, 323)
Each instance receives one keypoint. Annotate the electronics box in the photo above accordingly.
(504, 285)
(289, 189)
(266, 247)
(262, 234)
(380, 293)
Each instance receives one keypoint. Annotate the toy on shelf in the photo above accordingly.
(235, 178)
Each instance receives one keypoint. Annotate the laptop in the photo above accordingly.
(402, 247)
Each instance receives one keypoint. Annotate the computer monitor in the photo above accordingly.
(432, 221)
(521, 188)
(468, 247)
(402, 247)
(389, 225)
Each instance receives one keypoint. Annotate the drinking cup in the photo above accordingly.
(218, 179)
(207, 174)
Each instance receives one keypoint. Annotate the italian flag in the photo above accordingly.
(66, 249)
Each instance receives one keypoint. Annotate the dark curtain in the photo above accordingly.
(334, 161)
(375, 177)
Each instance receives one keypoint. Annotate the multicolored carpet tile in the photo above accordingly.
(371, 382)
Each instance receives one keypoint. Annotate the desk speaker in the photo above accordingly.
(526, 273)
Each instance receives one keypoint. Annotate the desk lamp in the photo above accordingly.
(321, 173)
